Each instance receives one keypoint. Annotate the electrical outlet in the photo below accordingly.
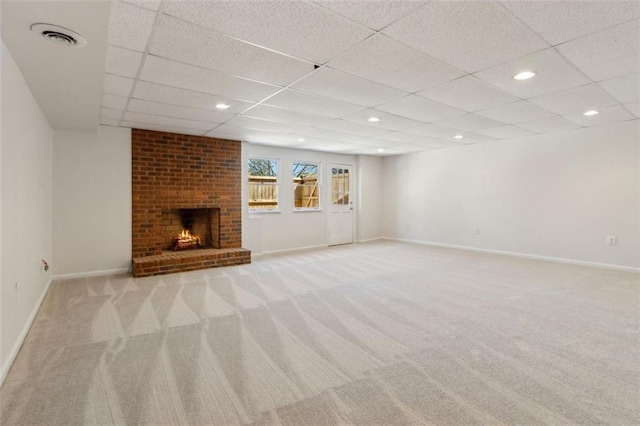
(612, 240)
(476, 231)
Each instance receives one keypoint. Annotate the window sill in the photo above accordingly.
(259, 212)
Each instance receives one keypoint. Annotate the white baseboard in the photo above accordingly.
(521, 255)
(285, 251)
(368, 240)
(23, 334)
(91, 273)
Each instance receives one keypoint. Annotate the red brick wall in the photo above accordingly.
(172, 171)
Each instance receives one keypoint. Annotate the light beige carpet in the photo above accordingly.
(373, 334)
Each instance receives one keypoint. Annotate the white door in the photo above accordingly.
(340, 204)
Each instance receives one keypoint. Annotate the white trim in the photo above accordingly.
(521, 255)
(23, 334)
(269, 253)
(368, 240)
(91, 274)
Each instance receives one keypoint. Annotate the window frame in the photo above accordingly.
(318, 165)
(276, 209)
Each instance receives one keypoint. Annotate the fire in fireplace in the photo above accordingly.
(186, 241)
(188, 229)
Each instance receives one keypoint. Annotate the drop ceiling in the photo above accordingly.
(310, 74)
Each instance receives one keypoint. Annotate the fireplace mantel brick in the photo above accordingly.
(173, 171)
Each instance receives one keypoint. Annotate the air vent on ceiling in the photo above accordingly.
(59, 35)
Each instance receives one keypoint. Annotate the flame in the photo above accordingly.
(185, 235)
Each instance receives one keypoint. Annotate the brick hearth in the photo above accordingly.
(173, 171)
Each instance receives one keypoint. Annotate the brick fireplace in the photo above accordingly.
(185, 183)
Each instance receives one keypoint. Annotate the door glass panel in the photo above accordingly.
(335, 185)
(345, 182)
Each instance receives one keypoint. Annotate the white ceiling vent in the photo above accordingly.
(59, 35)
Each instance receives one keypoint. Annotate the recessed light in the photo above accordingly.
(458, 137)
(524, 75)
(373, 119)
(380, 150)
(300, 140)
(222, 106)
(591, 112)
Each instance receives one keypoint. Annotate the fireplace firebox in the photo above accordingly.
(188, 229)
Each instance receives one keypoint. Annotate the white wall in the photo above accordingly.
(92, 201)
(26, 208)
(369, 203)
(263, 233)
(555, 195)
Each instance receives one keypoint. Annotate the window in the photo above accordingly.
(340, 186)
(306, 186)
(263, 184)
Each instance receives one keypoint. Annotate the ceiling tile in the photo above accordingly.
(633, 107)
(266, 125)
(147, 4)
(578, 99)
(607, 54)
(387, 121)
(409, 148)
(624, 89)
(553, 73)
(432, 131)
(468, 94)
(136, 117)
(300, 29)
(612, 114)
(116, 85)
(468, 35)
(419, 108)
(130, 26)
(344, 126)
(412, 139)
(505, 132)
(470, 138)
(170, 73)
(192, 44)
(226, 131)
(123, 62)
(110, 122)
(548, 125)
(338, 85)
(111, 114)
(315, 132)
(386, 61)
(469, 122)
(283, 115)
(310, 104)
(113, 101)
(160, 128)
(171, 95)
(175, 111)
(515, 113)
(561, 21)
(373, 14)
(330, 146)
